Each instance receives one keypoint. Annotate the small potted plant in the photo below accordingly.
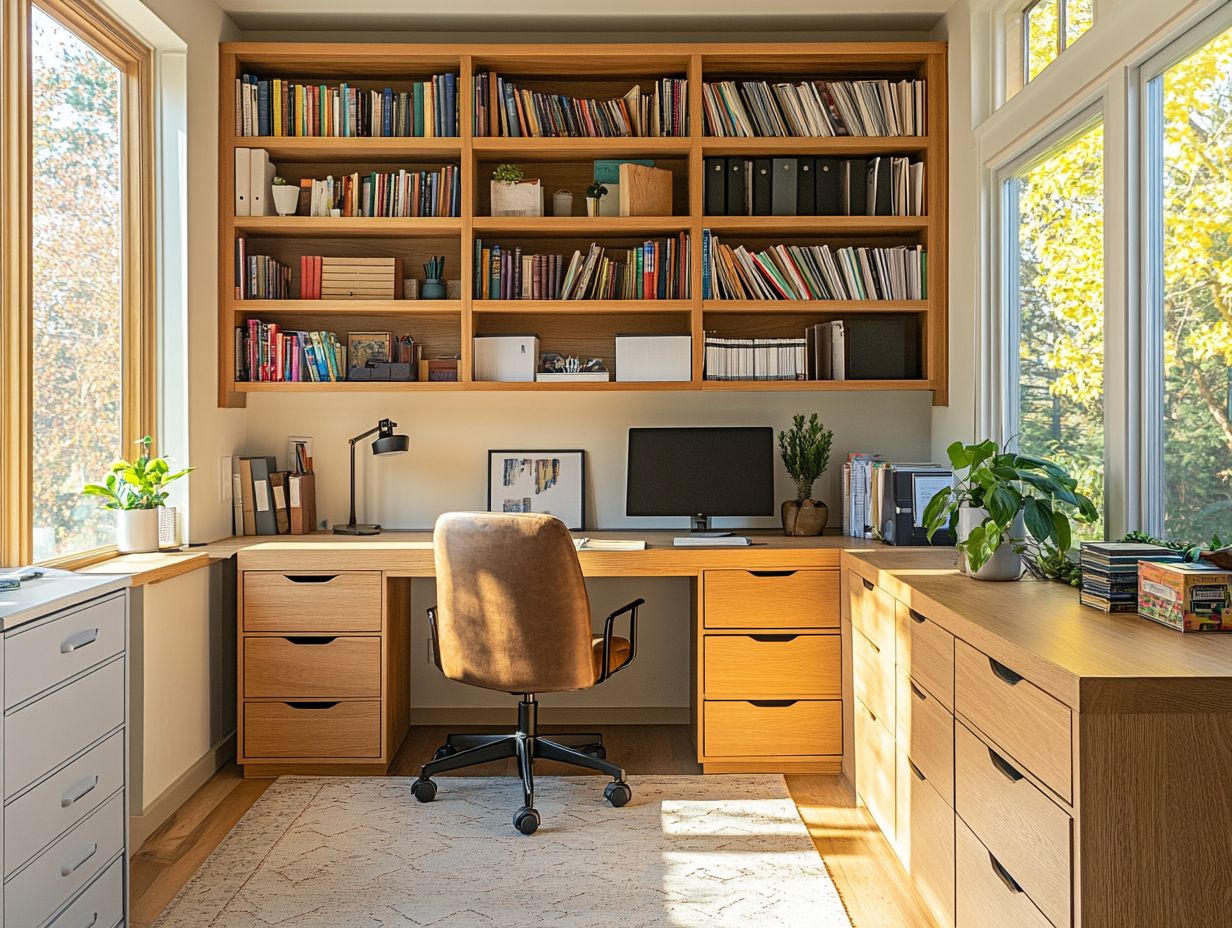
(594, 193)
(286, 197)
(515, 194)
(136, 490)
(997, 497)
(805, 450)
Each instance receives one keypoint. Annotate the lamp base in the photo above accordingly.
(360, 529)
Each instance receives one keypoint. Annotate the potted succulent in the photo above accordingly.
(805, 450)
(997, 498)
(594, 193)
(286, 197)
(136, 490)
(515, 194)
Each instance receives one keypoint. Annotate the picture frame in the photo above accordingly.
(363, 347)
(539, 480)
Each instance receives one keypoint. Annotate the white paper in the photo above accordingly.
(923, 488)
(260, 490)
(280, 497)
(294, 493)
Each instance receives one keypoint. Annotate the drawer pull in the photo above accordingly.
(312, 705)
(310, 578)
(919, 775)
(871, 714)
(311, 639)
(93, 920)
(1007, 769)
(1004, 875)
(917, 692)
(73, 864)
(868, 584)
(78, 640)
(772, 703)
(768, 638)
(78, 790)
(916, 617)
(772, 573)
(1009, 676)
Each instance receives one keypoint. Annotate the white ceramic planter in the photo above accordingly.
(1005, 564)
(286, 199)
(136, 530)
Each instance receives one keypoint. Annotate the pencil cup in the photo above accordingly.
(433, 289)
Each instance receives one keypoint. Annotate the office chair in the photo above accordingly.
(512, 615)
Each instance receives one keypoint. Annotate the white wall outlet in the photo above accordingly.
(292, 441)
(225, 465)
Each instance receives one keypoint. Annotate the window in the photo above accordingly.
(1054, 291)
(1048, 28)
(1189, 287)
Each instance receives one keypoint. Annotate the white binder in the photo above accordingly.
(261, 199)
(243, 181)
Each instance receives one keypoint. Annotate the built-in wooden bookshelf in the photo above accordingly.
(582, 327)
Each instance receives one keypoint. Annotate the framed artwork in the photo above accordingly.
(551, 482)
(363, 347)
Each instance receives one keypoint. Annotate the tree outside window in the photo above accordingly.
(1050, 27)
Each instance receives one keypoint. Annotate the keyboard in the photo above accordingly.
(710, 541)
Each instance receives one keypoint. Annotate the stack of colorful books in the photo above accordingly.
(1110, 572)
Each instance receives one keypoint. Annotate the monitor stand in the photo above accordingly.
(700, 525)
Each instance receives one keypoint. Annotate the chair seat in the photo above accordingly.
(618, 657)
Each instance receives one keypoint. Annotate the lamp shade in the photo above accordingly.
(391, 444)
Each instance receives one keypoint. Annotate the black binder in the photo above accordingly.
(762, 169)
(715, 186)
(879, 177)
(806, 186)
(882, 348)
(783, 187)
(853, 187)
(736, 184)
(828, 201)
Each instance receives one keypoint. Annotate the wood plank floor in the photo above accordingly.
(868, 876)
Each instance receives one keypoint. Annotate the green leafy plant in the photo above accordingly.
(1005, 483)
(508, 174)
(280, 181)
(596, 190)
(805, 450)
(137, 484)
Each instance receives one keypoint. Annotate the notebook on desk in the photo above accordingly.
(609, 544)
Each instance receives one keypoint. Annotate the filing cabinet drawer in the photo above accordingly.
(100, 906)
(34, 820)
(872, 612)
(772, 728)
(873, 677)
(308, 666)
(308, 729)
(1017, 715)
(874, 756)
(342, 602)
(1026, 831)
(48, 653)
(926, 650)
(55, 875)
(925, 731)
(987, 894)
(48, 732)
(924, 825)
(770, 598)
(772, 665)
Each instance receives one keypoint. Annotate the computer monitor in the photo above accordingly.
(700, 472)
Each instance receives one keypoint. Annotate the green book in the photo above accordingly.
(419, 108)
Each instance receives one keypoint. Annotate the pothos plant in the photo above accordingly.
(1004, 483)
(137, 484)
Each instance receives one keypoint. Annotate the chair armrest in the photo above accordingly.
(436, 648)
(609, 624)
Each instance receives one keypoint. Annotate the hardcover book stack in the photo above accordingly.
(820, 109)
(879, 186)
(1110, 572)
(266, 353)
(654, 270)
(502, 108)
(259, 277)
(395, 194)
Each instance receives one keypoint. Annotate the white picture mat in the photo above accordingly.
(530, 481)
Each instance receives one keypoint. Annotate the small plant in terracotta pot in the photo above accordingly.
(805, 450)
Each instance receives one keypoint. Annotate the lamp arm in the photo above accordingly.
(359, 438)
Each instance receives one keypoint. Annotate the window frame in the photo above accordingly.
(135, 58)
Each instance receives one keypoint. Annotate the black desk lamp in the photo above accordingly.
(385, 443)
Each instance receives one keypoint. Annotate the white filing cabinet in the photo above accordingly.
(64, 736)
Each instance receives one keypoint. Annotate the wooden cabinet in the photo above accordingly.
(925, 651)
(925, 732)
(771, 598)
(772, 666)
(773, 728)
(987, 894)
(308, 603)
(875, 774)
(311, 666)
(924, 837)
(349, 730)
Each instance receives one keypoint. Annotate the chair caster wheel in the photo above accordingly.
(617, 793)
(423, 790)
(594, 750)
(445, 750)
(526, 820)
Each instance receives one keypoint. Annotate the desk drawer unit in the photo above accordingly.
(308, 666)
(304, 603)
(772, 666)
(100, 906)
(926, 652)
(924, 838)
(770, 598)
(875, 763)
(780, 728)
(872, 612)
(306, 730)
(925, 731)
(873, 677)
(987, 893)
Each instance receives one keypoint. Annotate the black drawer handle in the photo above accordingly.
(311, 578)
(871, 714)
(774, 637)
(311, 639)
(917, 692)
(1007, 769)
(312, 705)
(868, 584)
(919, 775)
(1009, 676)
(772, 573)
(772, 703)
(916, 617)
(1010, 883)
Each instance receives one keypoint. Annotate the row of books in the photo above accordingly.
(815, 108)
(654, 270)
(260, 277)
(281, 107)
(265, 352)
(1110, 572)
(396, 194)
(880, 186)
(755, 358)
(812, 272)
(502, 108)
(268, 501)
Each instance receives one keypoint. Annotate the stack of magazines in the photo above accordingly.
(814, 108)
(1110, 572)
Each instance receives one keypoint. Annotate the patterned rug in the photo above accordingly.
(361, 853)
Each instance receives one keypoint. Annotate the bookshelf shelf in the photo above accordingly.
(582, 327)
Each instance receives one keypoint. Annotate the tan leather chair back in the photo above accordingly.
(512, 610)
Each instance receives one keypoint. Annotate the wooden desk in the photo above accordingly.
(324, 635)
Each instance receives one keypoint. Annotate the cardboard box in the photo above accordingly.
(1188, 597)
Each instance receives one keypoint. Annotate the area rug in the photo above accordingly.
(361, 853)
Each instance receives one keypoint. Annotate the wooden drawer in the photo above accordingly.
(343, 602)
(874, 756)
(102, 904)
(924, 839)
(72, 862)
(925, 731)
(772, 666)
(48, 653)
(312, 730)
(1018, 716)
(48, 732)
(987, 894)
(770, 598)
(926, 650)
(1026, 831)
(873, 677)
(769, 728)
(872, 612)
(306, 667)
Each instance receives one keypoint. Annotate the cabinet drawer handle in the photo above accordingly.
(78, 790)
(1009, 676)
(765, 638)
(871, 714)
(868, 584)
(310, 578)
(917, 692)
(916, 617)
(311, 639)
(73, 864)
(772, 703)
(919, 775)
(91, 923)
(312, 705)
(1004, 875)
(78, 640)
(1007, 769)
(772, 573)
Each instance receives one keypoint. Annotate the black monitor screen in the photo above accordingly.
(700, 471)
